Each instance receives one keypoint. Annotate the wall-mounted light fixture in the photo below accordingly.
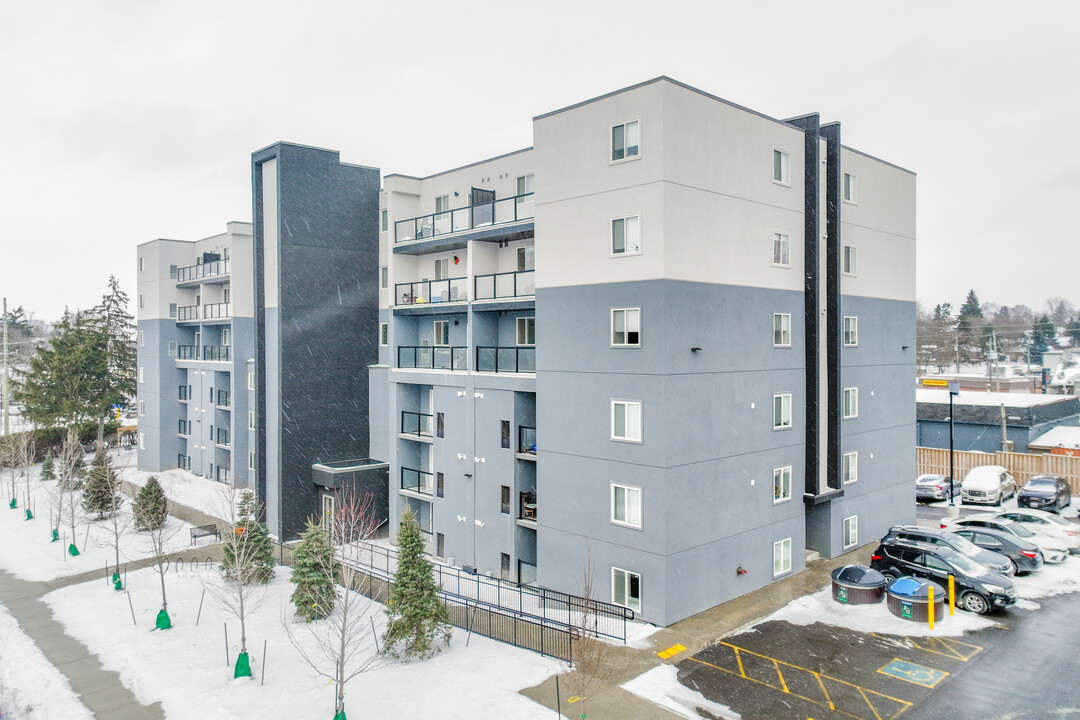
(695, 349)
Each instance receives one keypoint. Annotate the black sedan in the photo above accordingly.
(1024, 555)
(932, 488)
(1045, 492)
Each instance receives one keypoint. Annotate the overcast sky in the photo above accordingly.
(127, 121)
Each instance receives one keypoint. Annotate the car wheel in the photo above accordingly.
(889, 576)
(975, 603)
(997, 502)
(1015, 567)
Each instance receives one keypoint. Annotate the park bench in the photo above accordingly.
(204, 531)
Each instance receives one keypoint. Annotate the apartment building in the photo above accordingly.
(195, 318)
(669, 346)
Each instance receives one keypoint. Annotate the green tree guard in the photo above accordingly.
(14, 503)
(29, 515)
(243, 666)
(117, 585)
(163, 621)
(72, 550)
(55, 535)
(340, 716)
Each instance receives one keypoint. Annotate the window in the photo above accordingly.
(251, 419)
(781, 478)
(142, 338)
(384, 222)
(626, 235)
(440, 487)
(440, 545)
(142, 407)
(141, 303)
(626, 589)
(849, 260)
(384, 334)
(384, 277)
(526, 258)
(851, 531)
(505, 432)
(142, 441)
(251, 459)
(226, 337)
(781, 326)
(439, 425)
(141, 266)
(225, 254)
(442, 204)
(505, 498)
(626, 505)
(850, 188)
(504, 566)
(781, 249)
(624, 141)
(226, 294)
(626, 327)
(442, 332)
(173, 271)
(442, 268)
(781, 557)
(251, 381)
(172, 310)
(851, 467)
(172, 348)
(526, 331)
(851, 403)
(851, 331)
(142, 374)
(625, 420)
(781, 411)
(524, 186)
(781, 167)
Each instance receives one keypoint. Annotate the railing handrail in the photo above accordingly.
(453, 349)
(419, 425)
(518, 349)
(198, 271)
(465, 208)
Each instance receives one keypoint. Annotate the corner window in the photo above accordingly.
(526, 331)
(385, 222)
(505, 497)
(251, 459)
(849, 260)
(851, 402)
(524, 187)
(626, 505)
(142, 266)
(251, 420)
(851, 531)
(142, 407)
(626, 327)
(142, 338)
(141, 303)
(781, 249)
(851, 331)
(440, 485)
(781, 484)
(850, 188)
(251, 381)
(781, 557)
(781, 323)
(781, 411)
(142, 374)
(441, 332)
(851, 467)
(440, 424)
(384, 277)
(781, 167)
(384, 334)
(142, 441)
(626, 235)
(626, 420)
(504, 433)
(624, 141)
(526, 259)
(626, 589)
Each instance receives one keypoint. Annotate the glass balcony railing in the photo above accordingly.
(184, 428)
(187, 352)
(223, 438)
(215, 311)
(417, 424)
(506, 359)
(187, 312)
(224, 399)
(217, 353)
(498, 212)
(211, 269)
(526, 440)
(439, 357)
(432, 291)
(417, 481)
(505, 285)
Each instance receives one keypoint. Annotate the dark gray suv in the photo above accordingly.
(997, 562)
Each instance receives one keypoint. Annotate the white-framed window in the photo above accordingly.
(142, 266)
(781, 249)
(526, 331)
(781, 411)
(524, 187)
(142, 338)
(626, 420)
(781, 557)
(384, 277)
(625, 141)
(226, 336)
(626, 327)
(781, 480)
(851, 402)
(442, 268)
(442, 204)
(251, 381)
(851, 531)
(526, 258)
(626, 505)
(626, 589)
(851, 467)
(781, 329)
(384, 334)
(142, 374)
(251, 459)
(172, 310)
(141, 303)
(142, 441)
(251, 419)
(781, 167)
(849, 259)
(142, 407)
(441, 334)
(626, 235)
(851, 192)
(851, 330)
(172, 348)
(384, 222)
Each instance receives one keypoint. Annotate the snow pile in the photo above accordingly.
(185, 668)
(207, 496)
(661, 686)
(1049, 581)
(31, 688)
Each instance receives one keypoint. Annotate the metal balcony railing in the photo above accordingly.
(431, 291)
(216, 311)
(182, 394)
(438, 357)
(223, 437)
(526, 439)
(224, 399)
(187, 352)
(191, 273)
(505, 285)
(417, 424)
(417, 481)
(183, 428)
(498, 212)
(506, 359)
(217, 353)
(187, 312)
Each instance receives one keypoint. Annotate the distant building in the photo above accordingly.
(978, 418)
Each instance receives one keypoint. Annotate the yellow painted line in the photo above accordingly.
(742, 670)
(949, 647)
(671, 651)
(825, 693)
(869, 704)
(780, 675)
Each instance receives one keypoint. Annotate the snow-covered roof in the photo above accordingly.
(1066, 436)
(974, 397)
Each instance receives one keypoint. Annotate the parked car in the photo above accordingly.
(1045, 492)
(932, 488)
(1046, 523)
(987, 485)
(997, 562)
(1024, 555)
(978, 589)
(1053, 550)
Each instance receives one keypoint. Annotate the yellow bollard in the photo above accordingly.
(952, 595)
(931, 606)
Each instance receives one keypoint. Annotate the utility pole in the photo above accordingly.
(7, 385)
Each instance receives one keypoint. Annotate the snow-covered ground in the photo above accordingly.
(185, 668)
(31, 688)
(181, 486)
(661, 686)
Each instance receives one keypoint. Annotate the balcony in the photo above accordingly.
(216, 311)
(187, 313)
(182, 394)
(187, 352)
(471, 217)
(505, 285)
(506, 359)
(439, 357)
(417, 481)
(224, 400)
(527, 506)
(215, 270)
(217, 353)
(184, 428)
(416, 424)
(223, 440)
(526, 443)
(431, 291)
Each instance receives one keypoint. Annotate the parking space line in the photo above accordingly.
(825, 693)
(949, 647)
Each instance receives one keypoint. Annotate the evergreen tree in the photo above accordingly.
(102, 491)
(48, 470)
(314, 573)
(1042, 334)
(258, 551)
(151, 505)
(971, 309)
(417, 617)
(115, 329)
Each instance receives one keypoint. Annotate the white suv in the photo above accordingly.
(987, 485)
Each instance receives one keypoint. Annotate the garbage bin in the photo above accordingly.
(857, 585)
(909, 598)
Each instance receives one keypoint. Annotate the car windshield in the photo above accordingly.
(1040, 485)
(962, 544)
(1018, 530)
(967, 566)
(1059, 520)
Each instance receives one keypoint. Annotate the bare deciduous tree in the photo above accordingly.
(9, 460)
(68, 500)
(27, 451)
(592, 655)
(159, 536)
